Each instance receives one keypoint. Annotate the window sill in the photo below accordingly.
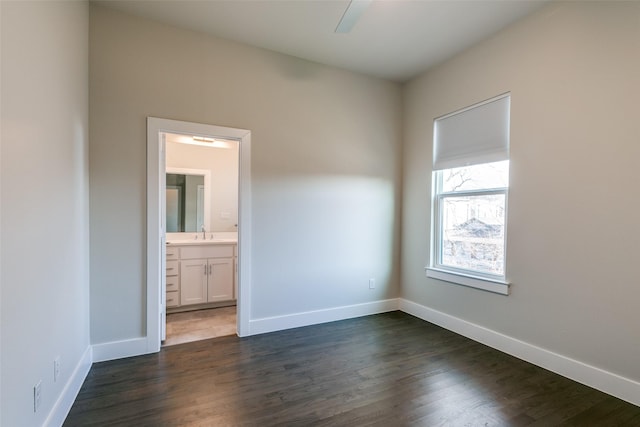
(485, 284)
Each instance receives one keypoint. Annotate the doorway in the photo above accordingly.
(201, 222)
(157, 130)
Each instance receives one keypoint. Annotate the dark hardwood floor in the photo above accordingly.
(386, 370)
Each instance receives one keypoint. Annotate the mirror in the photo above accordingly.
(202, 185)
(185, 203)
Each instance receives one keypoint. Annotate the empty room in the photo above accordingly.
(407, 212)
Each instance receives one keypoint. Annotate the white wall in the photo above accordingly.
(325, 166)
(44, 212)
(573, 229)
(223, 164)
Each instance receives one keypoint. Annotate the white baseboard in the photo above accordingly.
(610, 383)
(70, 391)
(138, 346)
(120, 349)
(296, 320)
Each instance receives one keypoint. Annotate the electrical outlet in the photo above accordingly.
(56, 369)
(37, 394)
(372, 283)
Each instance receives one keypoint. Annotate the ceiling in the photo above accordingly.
(392, 39)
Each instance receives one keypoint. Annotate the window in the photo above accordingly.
(470, 206)
(470, 188)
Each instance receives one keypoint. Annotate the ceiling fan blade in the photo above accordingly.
(354, 11)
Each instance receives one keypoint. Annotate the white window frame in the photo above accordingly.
(472, 278)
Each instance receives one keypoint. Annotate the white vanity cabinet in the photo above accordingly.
(206, 273)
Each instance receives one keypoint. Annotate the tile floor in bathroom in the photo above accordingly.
(200, 325)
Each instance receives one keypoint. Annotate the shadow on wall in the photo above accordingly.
(332, 233)
(295, 68)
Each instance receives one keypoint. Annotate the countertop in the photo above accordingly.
(193, 242)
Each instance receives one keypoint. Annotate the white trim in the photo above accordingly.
(607, 382)
(154, 243)
(245, 281)
(485, 284)
(154, 220)
(70, 391)
(296, 320)
(120, 349)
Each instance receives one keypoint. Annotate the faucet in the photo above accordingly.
(204, 236)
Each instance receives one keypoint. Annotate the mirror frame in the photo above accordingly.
(207, 188)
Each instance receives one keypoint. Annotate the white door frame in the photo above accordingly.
(155, 221)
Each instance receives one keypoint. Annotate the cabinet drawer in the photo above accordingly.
(212, 251)
(172, 252)
(173, 299)
(172, 283)
(172, 268)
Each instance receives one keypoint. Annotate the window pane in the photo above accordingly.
(476, 177)
(473, 233)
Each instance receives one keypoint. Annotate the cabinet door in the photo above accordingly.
(193, 281)
(220, 279)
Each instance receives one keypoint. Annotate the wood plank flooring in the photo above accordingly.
(390, 369)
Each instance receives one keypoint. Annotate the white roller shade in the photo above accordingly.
(473, 135)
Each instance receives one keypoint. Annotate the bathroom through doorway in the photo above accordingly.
(208, 248)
